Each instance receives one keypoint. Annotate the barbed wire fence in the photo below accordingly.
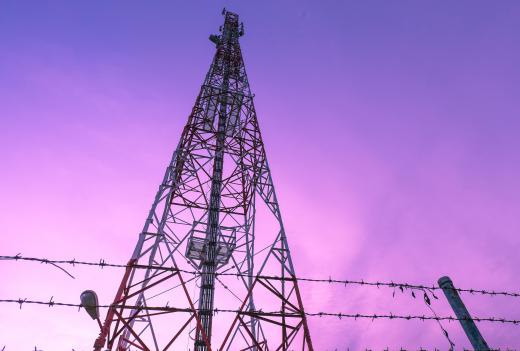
(339, 315)
(344, 349)
(394, 285)
(402, 286)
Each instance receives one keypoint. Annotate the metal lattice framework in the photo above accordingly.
(214, 209)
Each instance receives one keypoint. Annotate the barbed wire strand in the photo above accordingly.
(366, 349)
(428, 303)
(340, 315)
(401, 285)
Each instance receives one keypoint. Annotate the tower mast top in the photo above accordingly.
(230, 29)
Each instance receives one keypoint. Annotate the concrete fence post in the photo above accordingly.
(467, 323)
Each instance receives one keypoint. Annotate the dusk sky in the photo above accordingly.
(392, 130)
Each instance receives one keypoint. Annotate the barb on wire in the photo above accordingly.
(339, 315)
(399, 285)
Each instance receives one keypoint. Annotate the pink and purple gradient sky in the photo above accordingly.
(392, 130)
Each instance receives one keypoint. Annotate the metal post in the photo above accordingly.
(467, 323)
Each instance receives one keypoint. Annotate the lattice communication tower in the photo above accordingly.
(215, 214)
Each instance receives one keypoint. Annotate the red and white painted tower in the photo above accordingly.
(212, 268)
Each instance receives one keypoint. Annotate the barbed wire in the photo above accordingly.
(400, 285)
(339, 315)
(365, 349)
(102, 264)
(445, 333)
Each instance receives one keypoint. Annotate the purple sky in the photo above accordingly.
(392, 131)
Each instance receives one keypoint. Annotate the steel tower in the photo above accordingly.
(212, 268)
